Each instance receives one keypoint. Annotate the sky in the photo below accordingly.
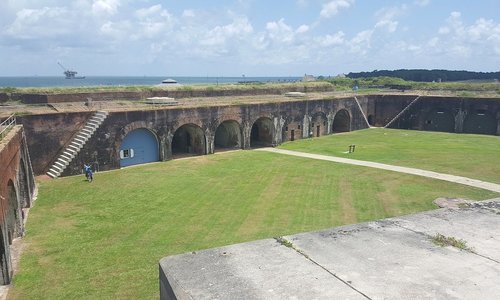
(246, 37)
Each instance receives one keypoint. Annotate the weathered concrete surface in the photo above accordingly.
(388, 259)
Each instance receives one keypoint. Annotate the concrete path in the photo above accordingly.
(393, 258)
(430, 174)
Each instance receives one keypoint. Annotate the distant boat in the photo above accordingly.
(169, 81)
(69, 73)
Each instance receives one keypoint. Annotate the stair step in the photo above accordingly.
(66, 153)
(74, 147)
(81, 140)
(93, 123)
(59, 164)
(56, 168)
(51, 174)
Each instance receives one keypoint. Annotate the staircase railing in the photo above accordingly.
(6, 125)
(362, 112)
(401, 112)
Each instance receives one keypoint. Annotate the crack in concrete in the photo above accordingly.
(470, 250)
(281, 240)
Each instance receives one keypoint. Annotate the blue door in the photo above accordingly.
(139, 146)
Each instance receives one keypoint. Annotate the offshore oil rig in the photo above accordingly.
(70, 74)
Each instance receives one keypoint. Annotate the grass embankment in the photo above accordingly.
(103, 240)
(147, 88)
(469, 155)
(462, 88)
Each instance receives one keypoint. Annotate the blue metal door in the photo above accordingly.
(139, 146)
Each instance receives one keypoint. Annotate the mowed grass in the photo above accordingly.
(469, 155)
(103, 240)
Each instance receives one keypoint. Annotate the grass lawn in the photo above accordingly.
(469, 155)
(103, 240)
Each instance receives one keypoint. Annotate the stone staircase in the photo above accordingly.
(402, 112)
(76, 144)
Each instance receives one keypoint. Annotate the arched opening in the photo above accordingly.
(440, 120)
(371, 120)
(23, 186)
(262, 133)
(480, 122)
(228, 135)
(139, 146)
(319, 125)
(341, 121)
(5, 263)
(14, 218)
(188, 139)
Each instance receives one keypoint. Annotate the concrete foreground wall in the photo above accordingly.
(393, 258)
(17, 189)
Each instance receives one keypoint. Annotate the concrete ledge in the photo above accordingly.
(388, 259)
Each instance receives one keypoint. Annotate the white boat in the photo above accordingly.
(170, 81)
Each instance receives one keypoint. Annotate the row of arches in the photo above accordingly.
(142, 145)
(18, 196)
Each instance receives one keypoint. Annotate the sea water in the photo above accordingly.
(60, 81)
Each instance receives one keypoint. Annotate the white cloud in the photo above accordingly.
(105, 7)
(331, 40)
(217, 39)
(422, 2)
(361, 42)
(386, 17)
(188, 13)
(332, 8)
(279, 31)
(302, 29)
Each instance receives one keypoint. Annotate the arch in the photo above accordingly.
(139, 146)
(14, 218)
(228, 135)
(262, 133)
(24, 185)
(319, 124)
(5, 262)
(480, 122)
(189, 139)
(341, 121)
(440, 120)
(371, 120)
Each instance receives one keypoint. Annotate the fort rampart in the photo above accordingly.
(177, 130)
(17, 188)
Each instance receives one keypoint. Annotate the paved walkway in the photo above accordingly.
(430, 174)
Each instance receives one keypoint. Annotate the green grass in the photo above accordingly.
(445, 241)
(474, 156)
(103, 240)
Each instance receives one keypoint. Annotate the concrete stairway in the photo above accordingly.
(77, 143)
(362, 112)
(402, 112)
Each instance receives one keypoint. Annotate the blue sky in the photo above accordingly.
(251, 37)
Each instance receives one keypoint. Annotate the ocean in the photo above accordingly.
(88, 81)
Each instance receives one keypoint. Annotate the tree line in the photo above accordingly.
(422, 75)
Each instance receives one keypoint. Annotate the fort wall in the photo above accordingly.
(201, 130)
(17, 188)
